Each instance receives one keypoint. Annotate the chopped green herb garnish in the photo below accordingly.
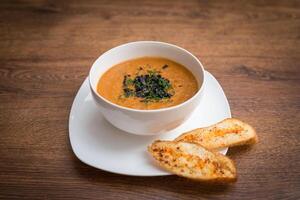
(149, 87)
(129, 81)
(151, 72)
(128, 92)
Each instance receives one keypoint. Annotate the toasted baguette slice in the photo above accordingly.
(227, 133)
(193, 161)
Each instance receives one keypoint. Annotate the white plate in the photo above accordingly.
(97, 143)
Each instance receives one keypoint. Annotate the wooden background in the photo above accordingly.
(47, 48)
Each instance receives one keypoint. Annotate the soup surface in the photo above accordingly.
(147, 83)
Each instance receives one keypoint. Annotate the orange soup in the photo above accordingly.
(147, 83)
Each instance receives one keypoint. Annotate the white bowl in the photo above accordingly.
(146, 122)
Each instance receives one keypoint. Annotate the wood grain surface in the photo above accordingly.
(47, 48)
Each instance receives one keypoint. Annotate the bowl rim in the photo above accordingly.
(150, 110)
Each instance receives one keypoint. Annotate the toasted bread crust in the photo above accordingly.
(193, 161)
(227, 133)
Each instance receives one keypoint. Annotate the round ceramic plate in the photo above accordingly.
(99, 144)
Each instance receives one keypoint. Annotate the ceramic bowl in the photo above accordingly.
(146, 122)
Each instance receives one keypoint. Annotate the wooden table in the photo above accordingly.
(47, 48)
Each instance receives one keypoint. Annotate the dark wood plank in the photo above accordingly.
(47, 47)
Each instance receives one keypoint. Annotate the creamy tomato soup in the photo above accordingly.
(147, 83)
